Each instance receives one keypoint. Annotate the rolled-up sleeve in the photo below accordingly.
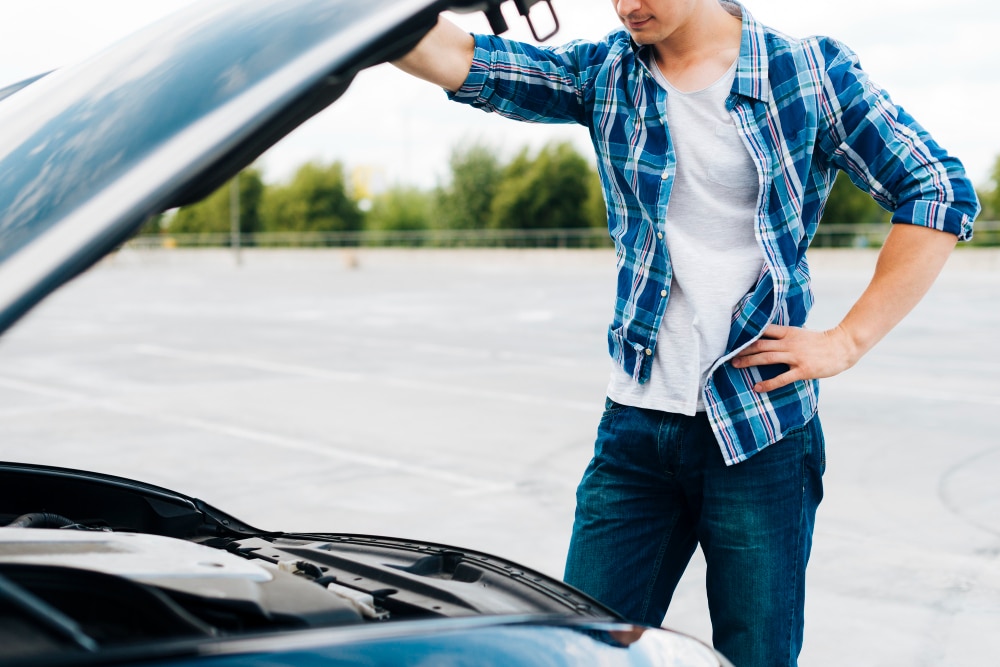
(887, 152)
(529, 83)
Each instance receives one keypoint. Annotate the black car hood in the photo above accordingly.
(88, 153)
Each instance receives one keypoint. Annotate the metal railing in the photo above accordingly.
(829, 235)
(426, 238)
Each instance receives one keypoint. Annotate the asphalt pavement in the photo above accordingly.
(453, 396)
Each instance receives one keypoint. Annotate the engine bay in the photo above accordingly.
(90, 562)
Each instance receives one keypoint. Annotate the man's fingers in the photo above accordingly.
(776, 382)
(775, 331)
(807, 354)
(763, 359)
(759, 347)
(770, 341)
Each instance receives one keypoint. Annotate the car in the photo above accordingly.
(97, 569)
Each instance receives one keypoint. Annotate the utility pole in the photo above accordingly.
(234, 217)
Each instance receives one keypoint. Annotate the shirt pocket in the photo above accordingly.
(730, 163)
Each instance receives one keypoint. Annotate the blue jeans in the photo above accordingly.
(658, 486)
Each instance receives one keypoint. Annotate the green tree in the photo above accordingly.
(466, 202)
(152, 226)
(849, 205)
(595, 208)
(315, 200)
(212, 214)
(401, 209)
(989, 196)
(549, 191)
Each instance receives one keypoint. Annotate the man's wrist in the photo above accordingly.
(853, 344)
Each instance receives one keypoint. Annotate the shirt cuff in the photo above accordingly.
(935, 215)
(478, 86)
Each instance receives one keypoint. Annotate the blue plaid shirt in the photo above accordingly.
(805, 110)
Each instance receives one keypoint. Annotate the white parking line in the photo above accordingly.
(469, 485)
(338, 376)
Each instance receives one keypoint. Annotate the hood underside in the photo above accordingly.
(88, 153)
(90, 563)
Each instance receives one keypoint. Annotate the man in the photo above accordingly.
(718, 140)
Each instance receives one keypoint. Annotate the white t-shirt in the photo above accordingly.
(711, 242)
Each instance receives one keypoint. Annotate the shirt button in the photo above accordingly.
(664, 176)
(649, 352)
(663, 292)
(659, 235)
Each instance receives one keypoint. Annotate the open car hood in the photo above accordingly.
(98, 570)
(98, 567)
(90, 152)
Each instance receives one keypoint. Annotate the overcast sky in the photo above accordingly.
(940, 60)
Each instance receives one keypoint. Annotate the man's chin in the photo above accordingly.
(642, 37)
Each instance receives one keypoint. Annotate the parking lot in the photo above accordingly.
(453, 396)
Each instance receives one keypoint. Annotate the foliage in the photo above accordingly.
(212, 214)
(555, 188)
(401, 209)
(152, 226)
(549, 191)
(595, 209)
(849, 204)
(315, 200)
(989, 196)
(466, 202)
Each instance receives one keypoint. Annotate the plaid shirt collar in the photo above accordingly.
(752, 68)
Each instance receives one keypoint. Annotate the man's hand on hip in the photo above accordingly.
(808, 354)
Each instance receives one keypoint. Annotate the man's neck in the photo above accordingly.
(699, 52)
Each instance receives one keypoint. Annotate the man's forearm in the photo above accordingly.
(443, 56)
(910, 260)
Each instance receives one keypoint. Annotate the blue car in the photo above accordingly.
(96, 569)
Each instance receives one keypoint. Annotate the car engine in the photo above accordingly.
(91, 561)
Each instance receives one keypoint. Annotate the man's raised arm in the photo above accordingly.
(443, 56)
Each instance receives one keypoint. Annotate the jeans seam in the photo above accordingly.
(654, 575)
(804, 470)
(658, 562)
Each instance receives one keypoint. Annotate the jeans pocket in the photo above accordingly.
(611, 408)
(819, 443)
(813, 442)
(822, 453)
